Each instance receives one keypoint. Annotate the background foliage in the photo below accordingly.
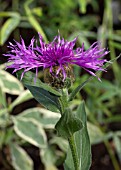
(90, 20)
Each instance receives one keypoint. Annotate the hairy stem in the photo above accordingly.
(74, 152)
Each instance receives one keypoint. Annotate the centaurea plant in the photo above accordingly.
(57, 59)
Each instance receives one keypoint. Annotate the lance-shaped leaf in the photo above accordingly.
(8, 27)
(33, 20)
(48, 100)
(2, 98)
(30, 130)
(68, 124)
(20, 159)
(24, 96)
(29, 78)
(49, 158)
(83, 146)
(10, 84)
(42, 92)
(43, 116)
(79, 88)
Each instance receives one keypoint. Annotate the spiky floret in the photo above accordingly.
(59, 53)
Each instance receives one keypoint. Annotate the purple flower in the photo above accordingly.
(59, 53)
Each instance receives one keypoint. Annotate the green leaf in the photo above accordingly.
(110, 89)
(82, 144)
(4, 117)
(9, 136)
(77, 89)
(10, 84)
(2, 136)
(108, 95)
(95, 134)
(20, 159)
(82, 39)
(43, 116)
(106, 85)
(83, 4)
(48, 100)
(37, 11)
(9, 14)
(7, 28)
(61, 142)
(33, 20)
(2, 98)
(117, 144)
(29, 79)
(113, 118)
(116, 45)
(24, 96)
(68, 124)
(49, 158)
(2, 66)
(30, 130)
(84, 33)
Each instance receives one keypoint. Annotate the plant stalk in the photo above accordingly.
(71, 139)
(74, 152)
(112, 156)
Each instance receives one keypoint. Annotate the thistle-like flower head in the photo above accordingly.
(59, 53)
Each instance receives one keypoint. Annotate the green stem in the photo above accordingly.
(112, 155)
(71, 140)
(74, 152)
(63, 100)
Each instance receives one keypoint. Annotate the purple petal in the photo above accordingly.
(59, 53)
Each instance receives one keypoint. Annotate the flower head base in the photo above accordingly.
(58, 81)
(56, 57)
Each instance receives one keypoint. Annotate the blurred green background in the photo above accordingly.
(91, 20)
